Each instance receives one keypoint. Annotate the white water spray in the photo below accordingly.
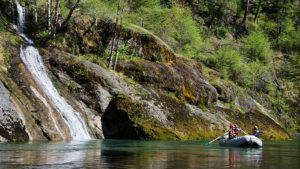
(34, 63)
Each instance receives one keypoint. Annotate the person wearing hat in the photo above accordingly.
(256, 131)
(231, 132)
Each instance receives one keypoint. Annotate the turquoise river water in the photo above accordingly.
(148, 154)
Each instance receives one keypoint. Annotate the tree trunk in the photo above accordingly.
(49, 16)
(142, 19)
(246, 13)
(35, 12)
(119, 36)
(96, 24)
(113, 40)
(57, 14)
(70, 14)
(257, 10)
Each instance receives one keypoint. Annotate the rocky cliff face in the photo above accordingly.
(11, 125)
(159, 96)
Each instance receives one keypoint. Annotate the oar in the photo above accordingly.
(244, 132)
(214, 140)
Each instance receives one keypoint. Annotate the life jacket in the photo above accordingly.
(231, 134)
(236, 131)
(256, 133)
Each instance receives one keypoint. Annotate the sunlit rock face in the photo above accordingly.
(160, 96)
(182, 77)
(11, 126)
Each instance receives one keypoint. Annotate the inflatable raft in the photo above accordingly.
(244, 141)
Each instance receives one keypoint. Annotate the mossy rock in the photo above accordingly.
(85, 38)
(186, 125)
(125, 119)
(183, 77)
(269, 128)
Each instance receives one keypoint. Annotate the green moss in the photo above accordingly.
(141, 124)
(70, 86)
(129, 81)
(172, 95)
(203, 107)
(188, 92)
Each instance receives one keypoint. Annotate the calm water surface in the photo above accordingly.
(148, 154)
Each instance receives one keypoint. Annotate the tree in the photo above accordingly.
(256, 47)
(49, 2)
(257, 10)
(70, 14)
(114, 36)
(246, 13)
(57, 22)
(119, 36)
(35, 12)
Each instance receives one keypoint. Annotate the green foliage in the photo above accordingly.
(175, 26)
(94, 58)
(291, 69)
(125, 54)
(261, 77)
(173, 95)
(129, 81)
(256, 47)
(219, 30)
(230, 63)
(71, 86)
(289, 39)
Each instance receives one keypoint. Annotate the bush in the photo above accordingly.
(175, 26)
(230, 63)
(256, 47)
(261, 77)
(289, 39)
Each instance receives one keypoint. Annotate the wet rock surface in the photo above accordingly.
(11, 126)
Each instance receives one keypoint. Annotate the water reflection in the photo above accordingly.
(143, 154)
(239, 157)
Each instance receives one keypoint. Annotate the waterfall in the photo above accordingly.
(21, 16)
(34, 63)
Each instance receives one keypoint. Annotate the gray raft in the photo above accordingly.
(244, 141)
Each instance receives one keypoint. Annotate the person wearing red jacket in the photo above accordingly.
(231, 132)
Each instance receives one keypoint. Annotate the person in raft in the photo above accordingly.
(236, 130)
(231, 132)
(256, 132)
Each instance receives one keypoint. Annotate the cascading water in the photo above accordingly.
(33, 61)
(21, 22)
(21, 16)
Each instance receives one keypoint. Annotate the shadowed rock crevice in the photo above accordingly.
(125, 119)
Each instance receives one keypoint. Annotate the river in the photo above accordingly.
(148, 154)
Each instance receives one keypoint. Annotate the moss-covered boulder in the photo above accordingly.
(126, 119)
(270, 129)
(182, 77)
(85, 37)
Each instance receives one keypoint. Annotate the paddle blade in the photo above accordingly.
(206, 144)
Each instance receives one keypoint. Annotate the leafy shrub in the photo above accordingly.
(125, 53)
(289, 38)
(256, 47)
(261, 77)
(219, 30)
(230, 63)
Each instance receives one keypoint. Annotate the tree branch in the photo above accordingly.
(70, 13)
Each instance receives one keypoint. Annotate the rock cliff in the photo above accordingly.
(160, 95)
